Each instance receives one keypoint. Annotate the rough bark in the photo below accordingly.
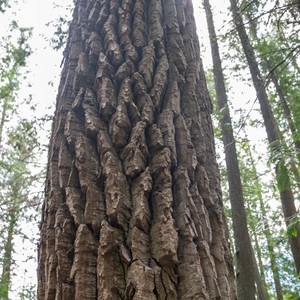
(273, 134)
(244, 257)
(133, 207)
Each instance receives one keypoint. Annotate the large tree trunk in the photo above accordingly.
(244, 257)
(133, 207)
(273, 134)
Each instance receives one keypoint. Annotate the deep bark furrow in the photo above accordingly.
(141, 214)
(130, 190)
(111, 278)
(83, 271)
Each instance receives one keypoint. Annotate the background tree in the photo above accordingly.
(284, 185)
(244, 252)
(258, 215)
(277, 63)
(17, 143)
(236, 69)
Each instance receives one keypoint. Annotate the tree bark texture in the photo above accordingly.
(273, 134)
(244, 257)
(7, 260)
(133, 204)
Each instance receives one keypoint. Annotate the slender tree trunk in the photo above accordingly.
(291, 124)
(285, 105)
(267, 231)
(274, 265)
(272, 255)
(3, 119)
(292, 127)
(283, 101)
(284, 41)
(262, 291)
(5, 278)
(244, 257)
(260, 278)
(133, 207)
(286, 194)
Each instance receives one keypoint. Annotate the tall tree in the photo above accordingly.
(273, 134)
(16, 147)
(244, 252)
(133, 207)
(257, 213)
(277, 69)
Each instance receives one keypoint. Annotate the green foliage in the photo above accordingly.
(279, 56)
(3, 5)
(291, 296)
(59, 39)
(60, 27)
(18, 145)
(282, 176)
(290, 281)
(294, 225)
(14, 58)
(28, 293)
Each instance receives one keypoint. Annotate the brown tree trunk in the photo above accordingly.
(267, 231)
(133, 207)
(286, 193)
(274, 265)
(291, 124)
(7, 260)
(283, 101)
(244, 258)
